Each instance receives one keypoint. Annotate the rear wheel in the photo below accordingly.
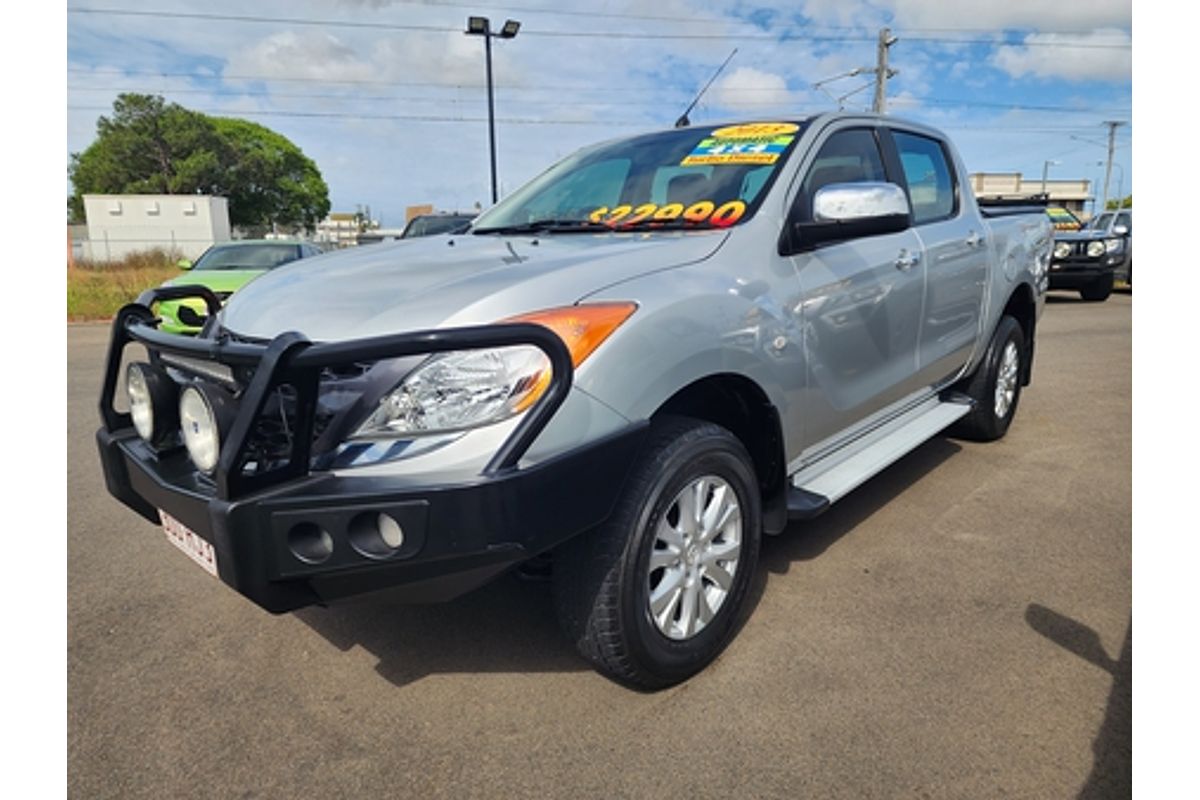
(995, 387)
(654, 595)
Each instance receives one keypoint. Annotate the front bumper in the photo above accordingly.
(1077, 273)
(458, 530)
(170, 312)
(457, 536)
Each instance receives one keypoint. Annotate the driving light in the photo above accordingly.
(205, 415)
(1095, 249)
(1062, 249)
(152, 403)
(1113, 245)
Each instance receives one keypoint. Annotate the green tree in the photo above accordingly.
(1126, 202)
(267, 178)
(149, 146)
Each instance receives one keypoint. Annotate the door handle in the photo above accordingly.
(974, 239)
(907, 260)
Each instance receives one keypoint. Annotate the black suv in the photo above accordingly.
(1089, 260)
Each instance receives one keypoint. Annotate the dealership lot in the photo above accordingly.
(958, 627)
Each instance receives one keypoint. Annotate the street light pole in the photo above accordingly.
(487, 49)
(1045, 171)
(1120, 184)
(482, 26)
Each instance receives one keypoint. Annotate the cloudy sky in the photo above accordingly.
(387, 96)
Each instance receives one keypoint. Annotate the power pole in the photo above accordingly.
(1112, 135)
(882, 73)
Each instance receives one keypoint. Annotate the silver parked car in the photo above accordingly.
(657, 351)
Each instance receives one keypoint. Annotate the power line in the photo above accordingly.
(397, 117)
(334, 115)
(934, 101)
(200, 76)
(784, 35)
(676, 19)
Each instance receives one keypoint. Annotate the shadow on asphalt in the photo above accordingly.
(804, 541)
(509, 625)
(1073, 298)
(1112, 749)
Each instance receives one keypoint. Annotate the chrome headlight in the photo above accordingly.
(460, 390)
(152, 403)
(1062, 249)
(467, 389)
(206, 413)
(1113, 245)
(1095, 249)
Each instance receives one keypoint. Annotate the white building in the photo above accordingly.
(120, 224)
(1070, 194)
(339, 229)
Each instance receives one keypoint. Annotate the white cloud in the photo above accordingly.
(303, 54)
(1088, 56)
(446, 59)
(984, 14)
(747, 89)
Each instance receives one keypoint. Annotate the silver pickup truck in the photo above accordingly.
(658, 350)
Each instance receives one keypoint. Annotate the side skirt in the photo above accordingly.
(826, 481)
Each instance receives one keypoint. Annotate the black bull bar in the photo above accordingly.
(292, 359)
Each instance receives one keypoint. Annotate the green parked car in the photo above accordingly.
(225, 268)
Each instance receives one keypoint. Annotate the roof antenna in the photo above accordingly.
(683, 121)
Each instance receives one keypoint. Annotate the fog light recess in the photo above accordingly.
(376, 535)
(310, 543)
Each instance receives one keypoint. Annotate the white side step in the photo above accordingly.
(840, 472)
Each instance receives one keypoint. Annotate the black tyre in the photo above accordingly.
(995, 386)
(654, 595)
(1099, 291)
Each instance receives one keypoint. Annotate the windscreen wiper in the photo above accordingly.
(651, 224)
(588, 226)
(548, 226)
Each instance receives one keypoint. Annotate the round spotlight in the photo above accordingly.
(376, 535)
(1062, 249)
(205, 415)
(1095, 249)
(152, 403)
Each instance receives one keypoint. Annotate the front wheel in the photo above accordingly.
(654, 595)
(995, 387)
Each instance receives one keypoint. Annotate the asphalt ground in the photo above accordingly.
(958, 627)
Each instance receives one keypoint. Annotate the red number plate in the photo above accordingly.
(190, 542)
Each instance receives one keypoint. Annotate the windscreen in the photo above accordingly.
(431, 226)
(247, 256)
(1063, 219)
(695, 177)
